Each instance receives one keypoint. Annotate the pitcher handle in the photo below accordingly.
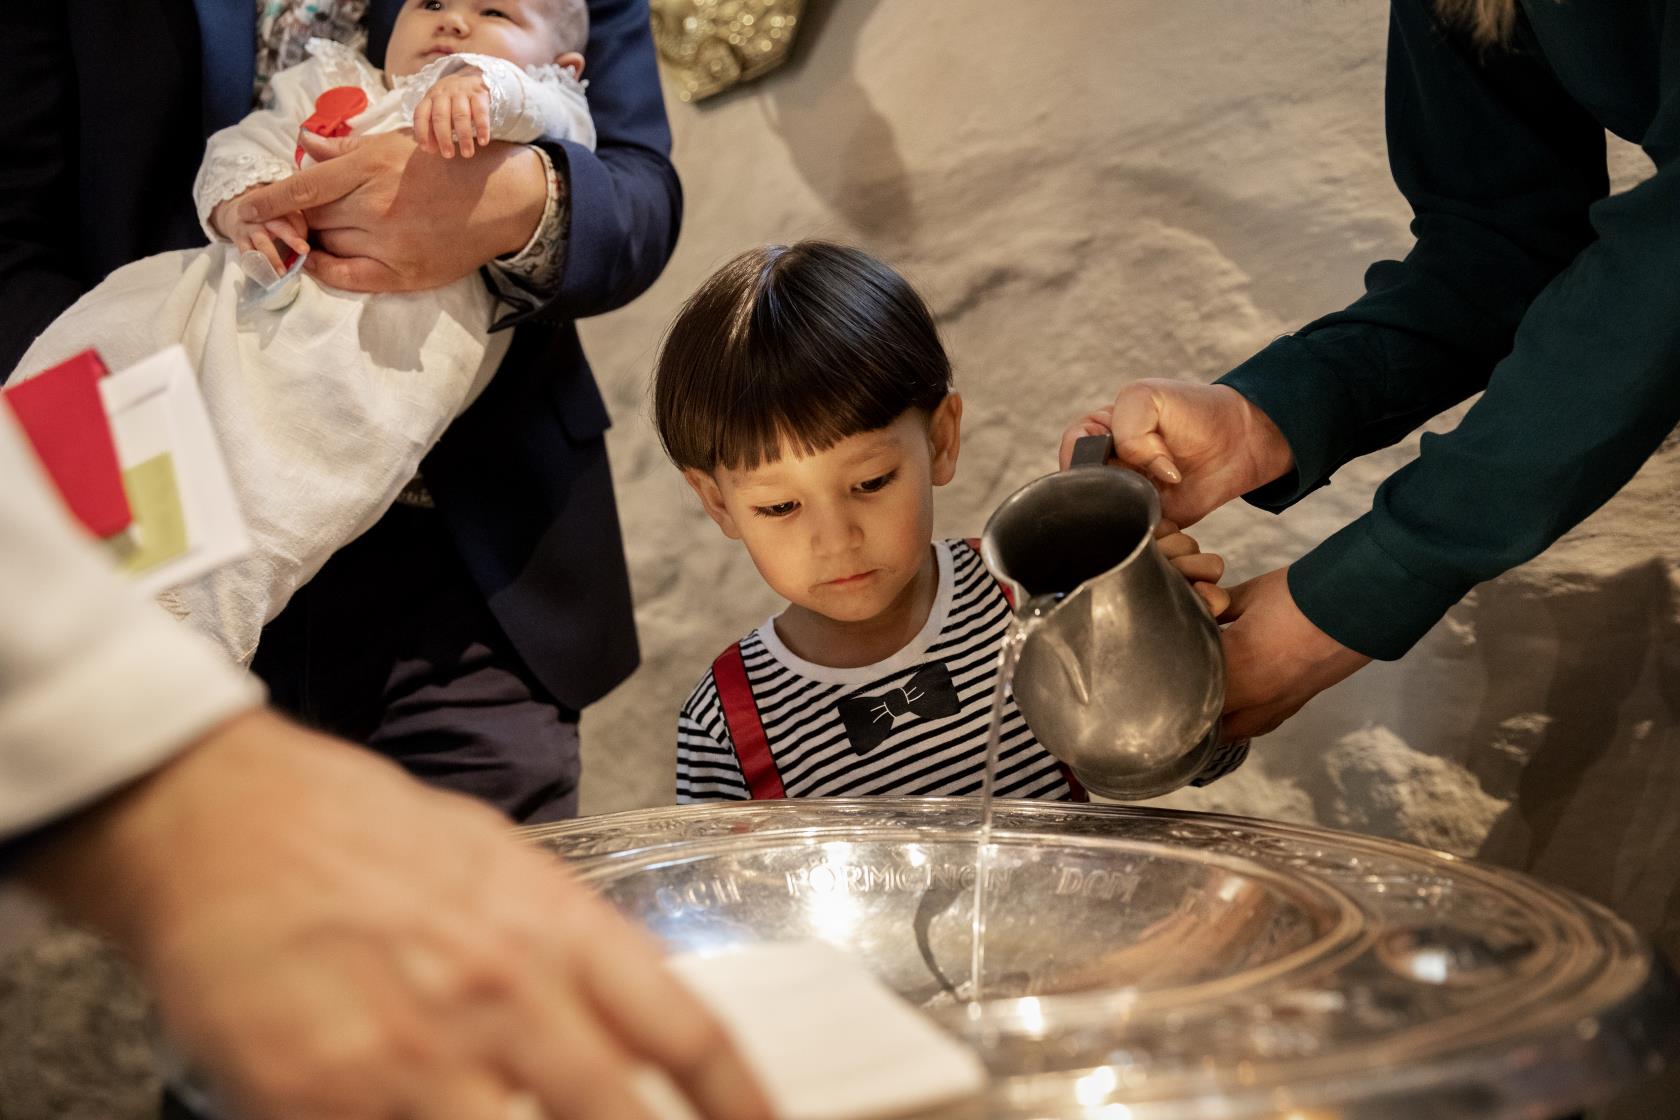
(1091, 451)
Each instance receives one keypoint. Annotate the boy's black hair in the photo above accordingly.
(805, 344)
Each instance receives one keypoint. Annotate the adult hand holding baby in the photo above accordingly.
(385, 221)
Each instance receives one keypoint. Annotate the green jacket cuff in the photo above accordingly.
(1300, 395)
(1351, 588)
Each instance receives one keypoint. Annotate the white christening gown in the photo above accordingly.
(324, 407)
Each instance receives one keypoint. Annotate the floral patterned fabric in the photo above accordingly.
(284, 28)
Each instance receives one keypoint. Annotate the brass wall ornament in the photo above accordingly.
(710, 46)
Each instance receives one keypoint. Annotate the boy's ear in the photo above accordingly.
(572, 59)
(945, 438)
(711, 498)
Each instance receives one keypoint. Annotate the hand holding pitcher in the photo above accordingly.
(1121, 674)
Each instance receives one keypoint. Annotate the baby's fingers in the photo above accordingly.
(481, 117)
(262, 243)
(461, 122)
(441, 130)
(423, 126)
(286, 233)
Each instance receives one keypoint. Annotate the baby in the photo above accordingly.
(325, 400)
(805, 395)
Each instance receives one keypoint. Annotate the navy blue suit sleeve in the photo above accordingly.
(38, 273)
(625, 201)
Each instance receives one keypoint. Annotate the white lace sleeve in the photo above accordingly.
(541, 102)
(259, 149)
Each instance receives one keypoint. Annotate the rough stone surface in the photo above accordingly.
(1384, 787)
(1087, 193)
(72, 1039)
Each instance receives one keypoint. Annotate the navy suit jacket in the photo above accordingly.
(112, 105)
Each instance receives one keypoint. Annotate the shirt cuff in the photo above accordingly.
(97, 684)
(531, 277)
(1298, 393)
(1354, 590)
(116, 710)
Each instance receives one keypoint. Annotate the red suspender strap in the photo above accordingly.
(1076, 791)
(1008, 595)
(740, 712)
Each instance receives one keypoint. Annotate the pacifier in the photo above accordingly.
(267, 289)
(333, 110)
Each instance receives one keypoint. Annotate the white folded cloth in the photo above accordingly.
(827, 1040)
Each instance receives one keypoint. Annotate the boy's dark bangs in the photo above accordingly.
(791, 350)
(794, 395)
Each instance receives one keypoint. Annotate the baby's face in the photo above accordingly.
(841, 532)
(521, 31)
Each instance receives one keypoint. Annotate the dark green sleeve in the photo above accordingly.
(1525, 282)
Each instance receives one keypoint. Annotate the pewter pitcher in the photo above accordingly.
(1121, 675)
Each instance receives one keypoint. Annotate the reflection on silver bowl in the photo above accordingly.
(1147, 964)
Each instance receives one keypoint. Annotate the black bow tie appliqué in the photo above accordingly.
(929, 694)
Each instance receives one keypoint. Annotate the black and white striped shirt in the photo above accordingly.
(918, 754)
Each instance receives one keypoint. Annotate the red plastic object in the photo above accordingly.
(63, 415)
(333, 110)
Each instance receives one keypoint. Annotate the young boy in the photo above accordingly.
(805, 395)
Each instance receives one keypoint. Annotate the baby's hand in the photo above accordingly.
(1203, 569)
(290, 230)
(454, 113)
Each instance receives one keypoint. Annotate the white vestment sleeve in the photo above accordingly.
(98, 685)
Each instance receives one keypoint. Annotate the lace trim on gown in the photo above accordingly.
(343, 65)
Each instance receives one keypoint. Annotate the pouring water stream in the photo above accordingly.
(1008, 655)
